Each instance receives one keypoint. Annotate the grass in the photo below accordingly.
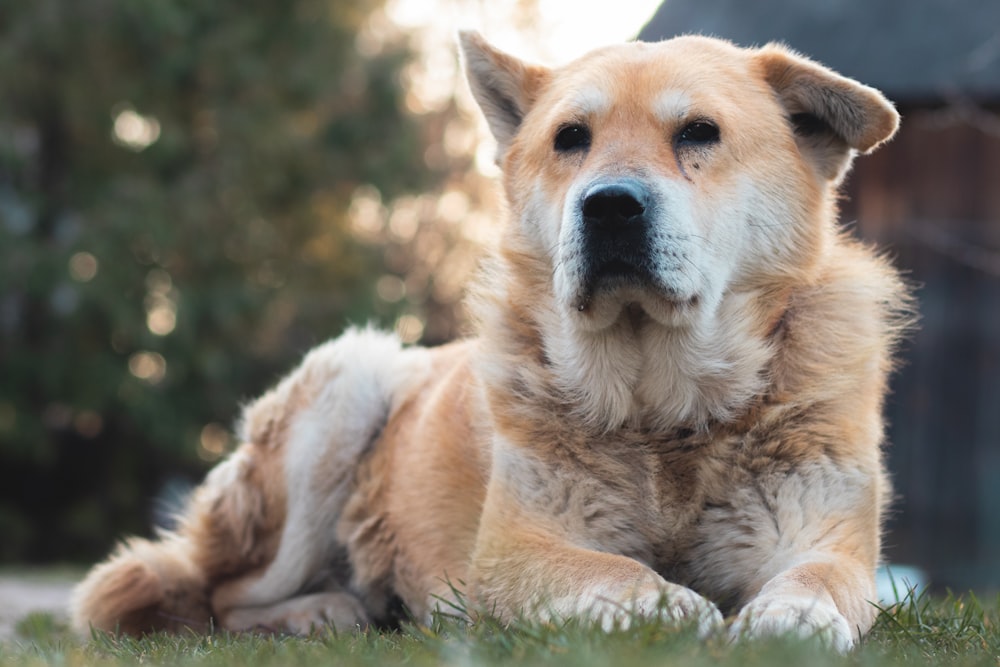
(956, 630)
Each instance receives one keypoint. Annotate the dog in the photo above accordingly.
(672, 409)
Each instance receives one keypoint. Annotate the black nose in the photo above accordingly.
(615, 204)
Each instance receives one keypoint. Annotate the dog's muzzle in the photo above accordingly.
(616, 231)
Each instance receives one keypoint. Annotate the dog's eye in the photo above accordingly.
(572, 138)
(698, 132)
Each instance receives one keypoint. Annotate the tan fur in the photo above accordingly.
(708, 436)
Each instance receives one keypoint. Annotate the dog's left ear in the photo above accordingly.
(503, 86)
(832, 115)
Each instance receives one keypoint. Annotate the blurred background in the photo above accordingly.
(193, 194)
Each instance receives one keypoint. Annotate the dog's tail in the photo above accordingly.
(166, 584)
(143, 587)
(228, 527)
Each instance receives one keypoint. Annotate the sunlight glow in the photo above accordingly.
(367, 214)
(390, 288)
(409, 328)
(561, 30)
(161, 319)
(83, 267)
(213, 442)
(161, 303)
(148, 366)
(134, 131)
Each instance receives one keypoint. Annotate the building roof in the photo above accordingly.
(911, 49)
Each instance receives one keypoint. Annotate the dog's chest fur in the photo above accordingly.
(643, 493)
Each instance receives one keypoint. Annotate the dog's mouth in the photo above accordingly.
(621, 270)
(613, 275)
(628, 283)
(619, 287)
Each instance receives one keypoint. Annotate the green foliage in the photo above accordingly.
(952, 631)
(147, 287)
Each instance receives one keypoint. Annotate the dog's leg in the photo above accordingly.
(300, 615)
(323, 416)
(800, 549)
(823, 597)
(535, 556)
(543, 577)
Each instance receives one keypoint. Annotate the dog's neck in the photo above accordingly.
(714, 368)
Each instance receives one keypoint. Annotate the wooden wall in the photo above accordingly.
(932, 197)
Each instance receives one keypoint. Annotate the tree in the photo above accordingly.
(176, 180)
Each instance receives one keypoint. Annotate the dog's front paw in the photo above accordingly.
(681, 605)
(806, 617)
(672, 604)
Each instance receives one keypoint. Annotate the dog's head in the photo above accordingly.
(664, 176)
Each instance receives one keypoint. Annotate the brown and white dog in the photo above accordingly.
(673, 405)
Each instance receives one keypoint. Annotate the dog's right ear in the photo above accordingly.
(503, 86)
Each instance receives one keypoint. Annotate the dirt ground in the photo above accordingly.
(23, 594)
